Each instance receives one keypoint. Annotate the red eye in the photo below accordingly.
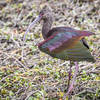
(41, 14)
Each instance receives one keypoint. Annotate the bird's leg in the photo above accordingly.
(73, 81)
(70, 74)
(74, 78)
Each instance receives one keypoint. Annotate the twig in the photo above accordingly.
(15, 59)
(14, 40)
(20, 14)
(32, 92)
(27, 16)
(62, 64)
(5, 77)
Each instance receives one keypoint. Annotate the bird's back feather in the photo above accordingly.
(67, 45)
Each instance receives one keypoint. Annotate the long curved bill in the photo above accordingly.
(36, 20)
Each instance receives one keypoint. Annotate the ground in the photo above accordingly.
(28, 74)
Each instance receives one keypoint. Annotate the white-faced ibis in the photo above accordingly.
(63, 43)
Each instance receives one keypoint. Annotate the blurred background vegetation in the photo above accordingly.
(28, 74)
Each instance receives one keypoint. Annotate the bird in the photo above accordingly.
(64, 43)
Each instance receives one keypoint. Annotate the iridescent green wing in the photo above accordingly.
(77, 53)
(67, 45)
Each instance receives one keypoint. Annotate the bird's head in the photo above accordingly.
(45, 13)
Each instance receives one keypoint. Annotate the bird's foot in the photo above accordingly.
(72, 84)
(68, 93)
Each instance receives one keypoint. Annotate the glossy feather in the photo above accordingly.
(67, 45)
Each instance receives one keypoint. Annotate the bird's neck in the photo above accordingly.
(46, 27)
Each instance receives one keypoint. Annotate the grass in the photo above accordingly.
(28, 74)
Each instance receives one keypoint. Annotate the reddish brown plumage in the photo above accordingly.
(77, 35)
